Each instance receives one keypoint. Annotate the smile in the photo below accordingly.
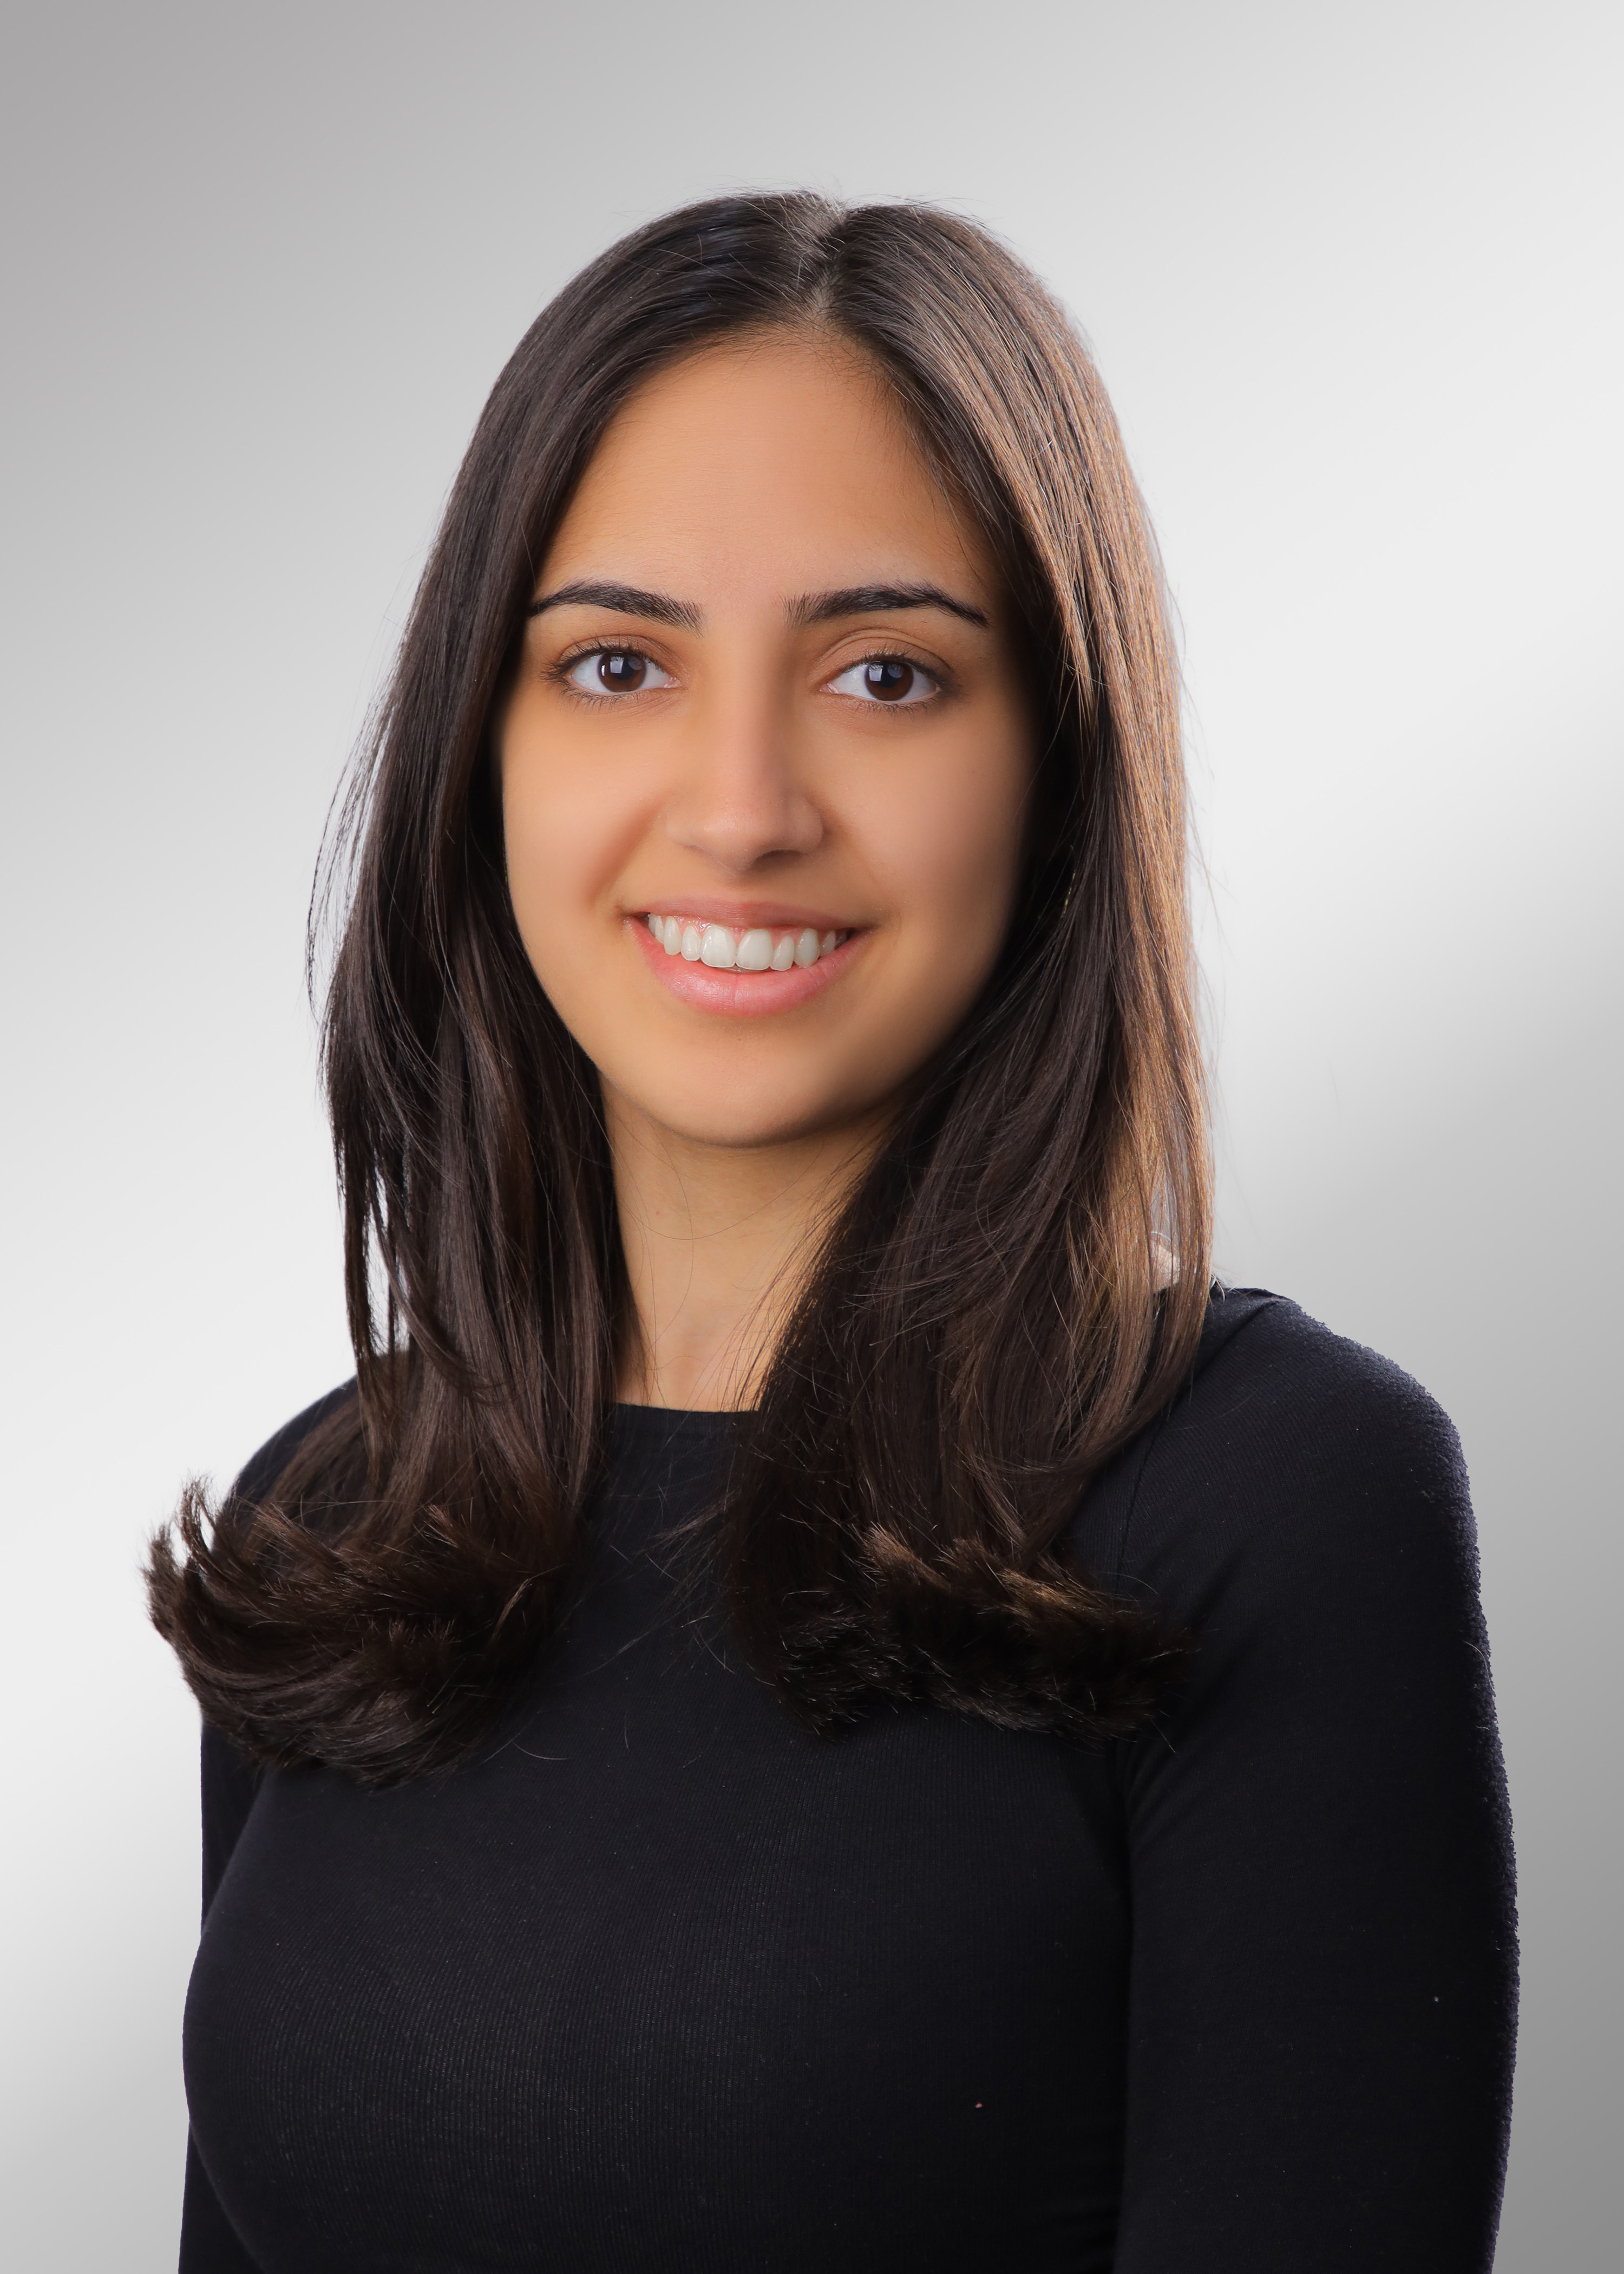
(726, 947)
(746, 970)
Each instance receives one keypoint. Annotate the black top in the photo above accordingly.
(661, 1982)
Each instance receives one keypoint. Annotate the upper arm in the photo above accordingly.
(229, 1780)
(1323, 1972)
(230, 1777)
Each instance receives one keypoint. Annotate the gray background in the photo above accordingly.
(1353, 277)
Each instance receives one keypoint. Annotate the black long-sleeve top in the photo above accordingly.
(660, 1981)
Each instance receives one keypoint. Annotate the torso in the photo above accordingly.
(660, 1980)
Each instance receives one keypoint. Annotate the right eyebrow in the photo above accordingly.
(625, 599)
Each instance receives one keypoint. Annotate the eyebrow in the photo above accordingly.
(810, 608)
(876, 599)
(625, 599)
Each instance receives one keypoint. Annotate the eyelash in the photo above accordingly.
(567, 663)
(933, 671)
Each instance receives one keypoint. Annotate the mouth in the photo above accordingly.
(744, 970)
(737, 947)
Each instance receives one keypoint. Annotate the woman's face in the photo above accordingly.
(764, 761)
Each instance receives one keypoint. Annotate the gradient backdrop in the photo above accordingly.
(1353, 276)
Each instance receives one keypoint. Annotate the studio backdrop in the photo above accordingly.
(1353, 280)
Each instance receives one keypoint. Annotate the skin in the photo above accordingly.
(754, 770)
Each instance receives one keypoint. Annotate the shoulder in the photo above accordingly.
(230, 1778)
(1277, 1407)
(261, 1471)
(1317, 1831)
(1297, 1475)
(1301, 1512)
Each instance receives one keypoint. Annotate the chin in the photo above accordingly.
(720, 1111)
(744, 1130)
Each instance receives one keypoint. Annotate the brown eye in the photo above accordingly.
(889, 679)
(615, 671)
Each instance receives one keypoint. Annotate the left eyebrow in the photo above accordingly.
(877, 600)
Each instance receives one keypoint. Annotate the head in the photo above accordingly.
(706, 454)
(765, 762)
(794, 589)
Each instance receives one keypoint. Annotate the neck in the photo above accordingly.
(717, 1240)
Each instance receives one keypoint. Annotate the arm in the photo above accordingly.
(1322, 1995)
(208, 2242)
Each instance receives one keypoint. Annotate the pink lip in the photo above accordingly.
(743, 915)
(740, 994)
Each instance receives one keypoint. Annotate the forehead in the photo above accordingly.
(781, 463)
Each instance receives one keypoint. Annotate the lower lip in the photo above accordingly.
(743, 994)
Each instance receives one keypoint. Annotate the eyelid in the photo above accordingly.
(892, 652)
(893, 649)
(876, 643)
(609, 643)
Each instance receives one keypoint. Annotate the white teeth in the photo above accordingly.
(725, 949)
(717, 948)
(756, 952)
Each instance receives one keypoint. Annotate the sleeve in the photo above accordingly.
(1322, 1992)
(230, 1777)
(229, 1780)
(208, 2242)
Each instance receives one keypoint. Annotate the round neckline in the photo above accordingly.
(649, 1418)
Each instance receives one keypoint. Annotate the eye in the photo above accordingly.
(615, 671)
(888, 678)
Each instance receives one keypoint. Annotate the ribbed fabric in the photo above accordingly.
(661, 1982)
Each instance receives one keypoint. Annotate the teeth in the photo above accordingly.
(756, 950)
(717, 948)
(725, 949)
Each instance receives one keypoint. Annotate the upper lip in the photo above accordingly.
(764, 915)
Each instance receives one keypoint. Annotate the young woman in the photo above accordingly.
(824, 1700)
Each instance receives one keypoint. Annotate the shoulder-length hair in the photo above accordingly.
(1017, 1284)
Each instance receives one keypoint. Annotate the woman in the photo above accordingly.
(824, 1699)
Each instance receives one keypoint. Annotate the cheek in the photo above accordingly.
(941, 844)
(944, 841)
(566, 830)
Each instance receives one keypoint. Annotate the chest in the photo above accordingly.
(660, 1980)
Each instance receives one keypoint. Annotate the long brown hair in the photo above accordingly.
(1017, 1284)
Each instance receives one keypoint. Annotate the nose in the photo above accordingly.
(739, 799)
